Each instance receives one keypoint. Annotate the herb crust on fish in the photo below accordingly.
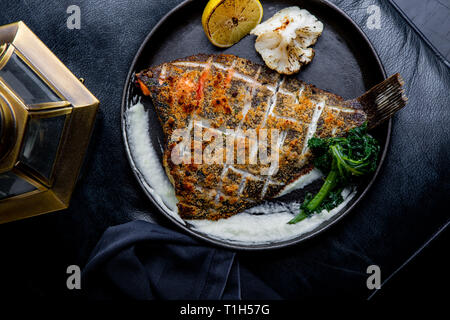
(223, 96)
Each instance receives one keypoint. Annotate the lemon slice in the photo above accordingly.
(227, 21)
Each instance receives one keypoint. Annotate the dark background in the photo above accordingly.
(36, 252)
(424, 275)
(432, 17)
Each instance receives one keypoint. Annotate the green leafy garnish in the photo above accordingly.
(343, 159)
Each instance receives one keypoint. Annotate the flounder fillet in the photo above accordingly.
(216, 93)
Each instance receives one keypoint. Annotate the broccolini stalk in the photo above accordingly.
(313, 204)
(345, 158)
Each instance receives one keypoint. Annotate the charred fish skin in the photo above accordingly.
(227, 92)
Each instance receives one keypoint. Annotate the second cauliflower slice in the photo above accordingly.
(283, 41)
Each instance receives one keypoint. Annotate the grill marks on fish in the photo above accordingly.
(227, 92)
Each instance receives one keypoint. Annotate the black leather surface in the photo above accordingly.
(403, 209)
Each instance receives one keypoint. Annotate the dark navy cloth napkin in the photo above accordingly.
(142, 260)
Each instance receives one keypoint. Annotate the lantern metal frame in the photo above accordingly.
(76, 102)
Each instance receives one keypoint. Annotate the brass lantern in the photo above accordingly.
(46, 120)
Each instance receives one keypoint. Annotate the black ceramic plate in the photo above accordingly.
(345, 64)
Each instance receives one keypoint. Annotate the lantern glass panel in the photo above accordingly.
(32, 89)
(12, 185)
(42, 139)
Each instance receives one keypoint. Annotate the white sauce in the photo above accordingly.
(268, 227)
(302, 182)
(146, 159)
(244, 227)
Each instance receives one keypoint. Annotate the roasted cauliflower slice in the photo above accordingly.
(283, 41)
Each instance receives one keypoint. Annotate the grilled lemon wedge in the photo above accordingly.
(227, 21)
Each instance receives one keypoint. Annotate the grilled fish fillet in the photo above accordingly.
(220, 92)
